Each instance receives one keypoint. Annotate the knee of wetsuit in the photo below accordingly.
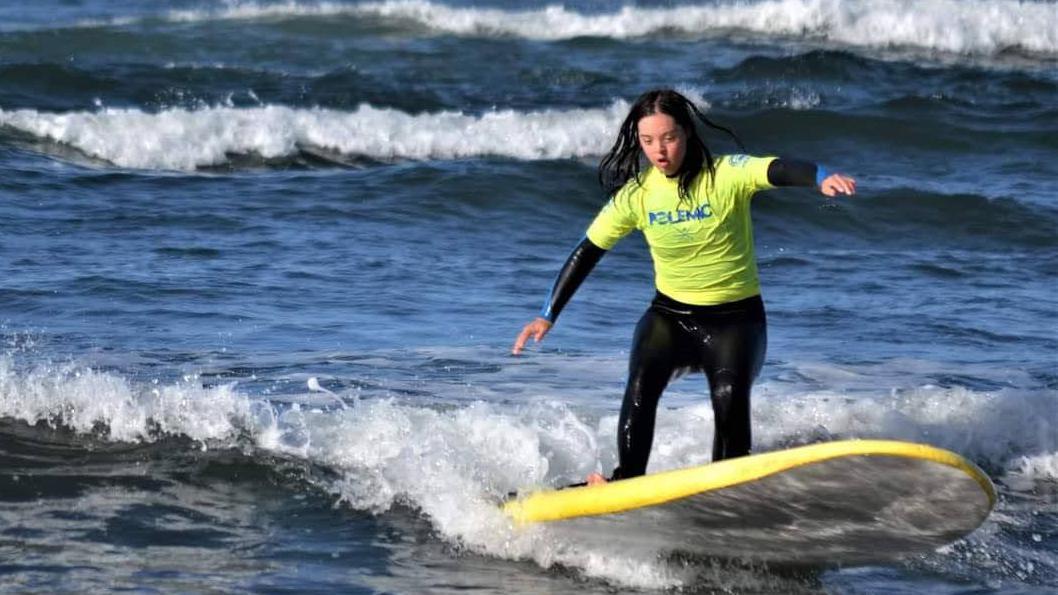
(723, 392)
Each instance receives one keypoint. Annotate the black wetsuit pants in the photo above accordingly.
(725, 341)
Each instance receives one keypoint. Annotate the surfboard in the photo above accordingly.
(846, 502)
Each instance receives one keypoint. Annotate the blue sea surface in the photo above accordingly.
(263, 264)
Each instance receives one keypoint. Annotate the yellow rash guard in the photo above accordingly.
(703, 247)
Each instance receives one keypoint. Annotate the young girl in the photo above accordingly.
(694, 211)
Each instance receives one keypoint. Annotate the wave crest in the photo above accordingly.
(956, 26)
(182, 139)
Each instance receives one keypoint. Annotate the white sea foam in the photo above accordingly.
(959, 26)
(88, 401)
(1042, 466)
(454, 463)
(187, 139)
(182, 139)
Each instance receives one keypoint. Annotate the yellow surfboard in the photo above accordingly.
(845, 502)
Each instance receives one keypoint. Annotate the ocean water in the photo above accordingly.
(263, 263)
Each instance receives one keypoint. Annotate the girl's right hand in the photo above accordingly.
(535, 329)
(836, 184)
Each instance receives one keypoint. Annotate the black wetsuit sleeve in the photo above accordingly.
(580, 262)
(792, 172)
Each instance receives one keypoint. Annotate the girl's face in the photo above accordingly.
(663, 141)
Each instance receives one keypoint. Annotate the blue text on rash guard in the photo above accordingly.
(678, 216)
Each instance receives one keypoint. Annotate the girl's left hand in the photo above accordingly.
(836, 184)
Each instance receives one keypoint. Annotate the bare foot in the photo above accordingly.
(596, 479)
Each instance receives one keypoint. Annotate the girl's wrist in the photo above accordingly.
(821, 174)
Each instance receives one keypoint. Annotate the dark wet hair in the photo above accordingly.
(622, 163)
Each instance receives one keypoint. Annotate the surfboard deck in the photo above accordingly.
(836, 503)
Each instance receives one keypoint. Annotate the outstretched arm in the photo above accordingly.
(580, 262)
(793, 172)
